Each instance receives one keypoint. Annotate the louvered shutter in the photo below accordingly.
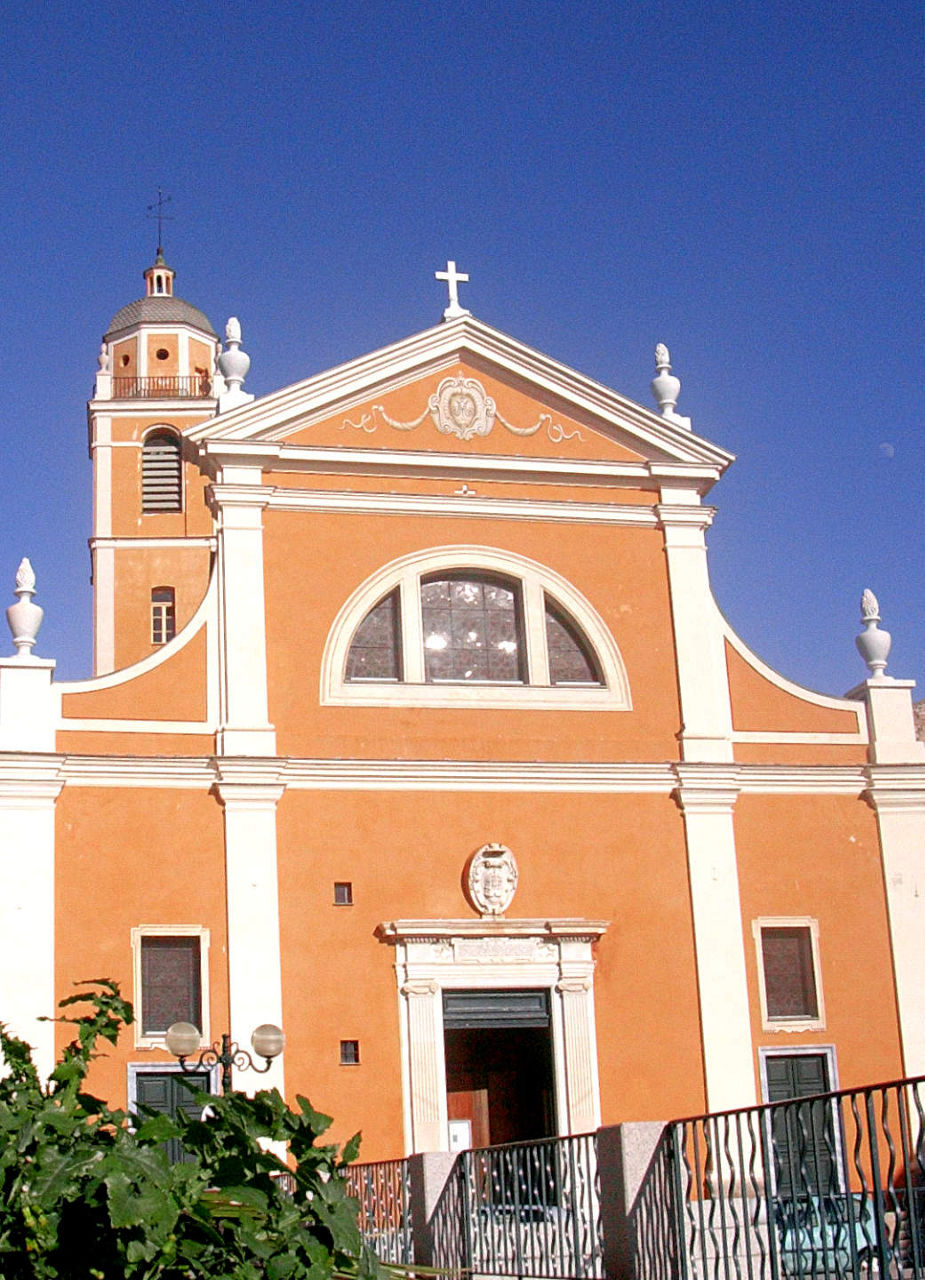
(161, 476)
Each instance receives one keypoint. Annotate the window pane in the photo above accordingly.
(170, 983)
(375, 652)
(472, 630)
(789, 981)
(571, 660)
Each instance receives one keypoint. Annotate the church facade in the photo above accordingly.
(416, 730)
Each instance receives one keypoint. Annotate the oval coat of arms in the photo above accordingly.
(492, 880)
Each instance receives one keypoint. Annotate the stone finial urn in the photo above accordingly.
(873, 644)
(24, 617)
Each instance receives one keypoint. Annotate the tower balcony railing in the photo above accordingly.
(163, 387)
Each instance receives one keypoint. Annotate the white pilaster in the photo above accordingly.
(422, 1035)
(102, 558)
(28, 791)
(255, 990)
(703, 683)
(245, 727)
(582, 1089)
(897, 796)
(728, 1055)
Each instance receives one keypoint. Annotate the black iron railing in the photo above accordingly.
(528, 1209)
(831, 1185)
(198, 386)
(384, 1193)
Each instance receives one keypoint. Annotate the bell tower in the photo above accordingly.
(152, 532)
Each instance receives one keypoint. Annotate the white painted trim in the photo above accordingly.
(206, 726)
(903, 793)
(331, 502)
(407, 573)
(27, 913)
(139, 933)
(104, 608)
(809, 739)
(792, 1051)
(789, 922)
(171, 544)
(135, 1069)
(255, 993)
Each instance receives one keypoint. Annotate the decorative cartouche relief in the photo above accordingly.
(492, 880)
(461, 407)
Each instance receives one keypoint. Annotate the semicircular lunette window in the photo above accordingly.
(471, 628)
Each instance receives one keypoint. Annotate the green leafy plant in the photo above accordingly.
(87, 1192)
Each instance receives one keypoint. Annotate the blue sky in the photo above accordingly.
(740, 181)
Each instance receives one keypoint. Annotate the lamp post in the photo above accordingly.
(183, 1039)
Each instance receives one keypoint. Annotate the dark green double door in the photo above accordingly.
(170, 1092)
(804, 1144)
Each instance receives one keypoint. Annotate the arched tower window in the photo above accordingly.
(161, 473)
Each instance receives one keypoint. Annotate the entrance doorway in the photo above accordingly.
(499, 1072)
(170, 1092)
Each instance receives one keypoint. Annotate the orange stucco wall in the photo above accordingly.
(173, 690)
(617, 858)
(127, 857)
(819, 856)
(620, 571)
(759, 705)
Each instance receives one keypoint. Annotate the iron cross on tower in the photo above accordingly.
(156, 210)
(453, 279)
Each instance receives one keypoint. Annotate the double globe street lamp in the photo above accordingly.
(183, 1039)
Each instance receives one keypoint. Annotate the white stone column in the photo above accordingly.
(728, 1055)
(897, 796)
(582, 1090)
(28, 791)
(245, 727)
(703, 682)
(255, 989)
(422, 1030)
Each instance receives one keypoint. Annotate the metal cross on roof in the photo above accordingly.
(156, 210)
(453, 279)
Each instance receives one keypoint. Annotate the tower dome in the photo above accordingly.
(159, 305)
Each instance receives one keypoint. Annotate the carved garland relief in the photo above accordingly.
(461, 407)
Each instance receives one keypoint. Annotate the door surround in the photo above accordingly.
(494, 953)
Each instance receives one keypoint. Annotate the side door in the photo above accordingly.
(170, 1092)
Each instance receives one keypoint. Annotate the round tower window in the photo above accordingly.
(162, 353)
(124, 361)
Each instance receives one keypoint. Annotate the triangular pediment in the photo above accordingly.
(461, 388)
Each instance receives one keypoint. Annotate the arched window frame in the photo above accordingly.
(535, 582)
(164, 431)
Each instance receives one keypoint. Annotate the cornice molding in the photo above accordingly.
(308, 774)
(472, 506)
(494, 927)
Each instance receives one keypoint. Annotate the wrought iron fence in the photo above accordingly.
(384, 1192)
(831, 1186)
(528, 1209)
(166, 387)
